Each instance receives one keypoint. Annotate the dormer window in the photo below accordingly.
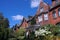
(40, 18)
(59, 11)
(41, 9)
(46, 16)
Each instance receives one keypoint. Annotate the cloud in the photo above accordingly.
(35, 3)
(17, 17)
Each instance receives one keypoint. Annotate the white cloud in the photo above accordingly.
(35, 3)
(17, 17)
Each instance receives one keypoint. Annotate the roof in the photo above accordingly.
(23, 21)
(50, 9)
(44, 3)
(26, 20)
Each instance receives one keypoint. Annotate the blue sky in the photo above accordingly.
(15, 10)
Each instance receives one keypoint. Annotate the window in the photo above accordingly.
(46, 16)
(59, 11)
(40, 18)
(54, 14)
(41, 9)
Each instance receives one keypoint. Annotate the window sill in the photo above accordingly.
(58, 16)
(54, 18)
(45, 20)
(40, 22)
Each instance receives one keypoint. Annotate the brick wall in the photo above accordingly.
(50, 20)
(24, 24)
(53, 2)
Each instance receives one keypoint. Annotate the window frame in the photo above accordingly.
(46, 17)
(54, 14)
(58, 12)
(40, 18)
(41, 9)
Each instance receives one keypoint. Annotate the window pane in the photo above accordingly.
(54, 14)
(40, 18)
(45, 16)
(59, 11)
(41, 9)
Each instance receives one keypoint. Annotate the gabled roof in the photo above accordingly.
(51, 7)
(24, 20)
(45, 4)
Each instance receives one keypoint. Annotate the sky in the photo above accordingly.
(15, 10)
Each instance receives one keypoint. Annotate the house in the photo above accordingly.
(24, 23)
(47, 14)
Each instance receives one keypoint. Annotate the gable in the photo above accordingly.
(43, 7)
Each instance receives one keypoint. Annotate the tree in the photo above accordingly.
(4, 28)
(3, 21)
(20, 34)
(33, 21)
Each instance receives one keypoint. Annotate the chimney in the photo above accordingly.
(53, 2)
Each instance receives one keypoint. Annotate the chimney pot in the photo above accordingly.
(53, 2)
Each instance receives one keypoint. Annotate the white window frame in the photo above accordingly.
(41, 9)
(46, 16)
(40, 18)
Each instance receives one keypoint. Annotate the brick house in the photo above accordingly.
(24, 23)
(47, 14)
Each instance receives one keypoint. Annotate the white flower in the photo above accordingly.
(42, 32)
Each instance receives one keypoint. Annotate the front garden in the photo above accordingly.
(47, 32)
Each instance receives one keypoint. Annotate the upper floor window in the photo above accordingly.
(54, 14)
(59, 11)
(40, 18)
(46, 16)
(41, 9)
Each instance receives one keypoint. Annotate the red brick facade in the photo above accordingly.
(24, 23)
(49, 10)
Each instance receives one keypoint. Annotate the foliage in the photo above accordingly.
(31, 36)
(33, 21)
(48, 32)
(42, 32)
(4, 28)
(19, 34)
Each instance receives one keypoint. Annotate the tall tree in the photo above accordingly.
(4, 28)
